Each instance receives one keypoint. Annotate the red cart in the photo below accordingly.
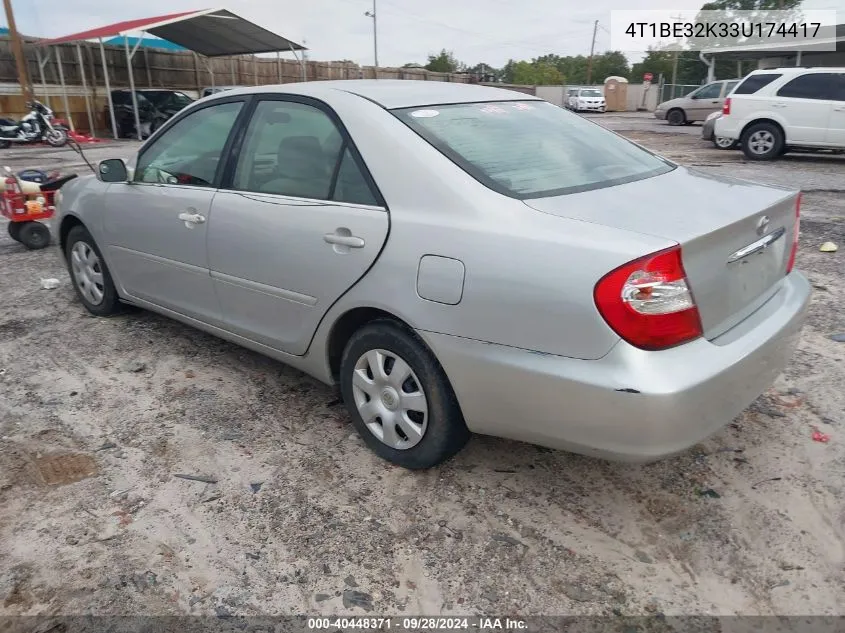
(26, 204)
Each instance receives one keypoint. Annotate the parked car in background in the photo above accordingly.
(568, 101)
(708, 134)
(375, 235)
(697, 104)
(213, 90)
(774, 110)
(155, 107)
(587, 99)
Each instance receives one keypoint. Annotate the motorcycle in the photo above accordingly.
(35, 127)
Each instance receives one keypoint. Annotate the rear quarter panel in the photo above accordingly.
(529, 276)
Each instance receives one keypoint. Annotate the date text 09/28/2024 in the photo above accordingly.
(410, 624)
(707, 30)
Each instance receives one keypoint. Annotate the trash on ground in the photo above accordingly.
(763, 481)
(202, 478)
(818, 436)
(828, 247)
(50, 284)
(839, 338)
(709, 492)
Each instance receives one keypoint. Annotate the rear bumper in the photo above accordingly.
(631, 405)
(727, 128)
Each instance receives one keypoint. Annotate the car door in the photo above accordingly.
(704, 101)
(805, 104)
(300, 223)
(836, 125)
(156, 225)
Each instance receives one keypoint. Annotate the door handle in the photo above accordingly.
(344, 240)
(191, 218)
(839, 109)
(778, 105)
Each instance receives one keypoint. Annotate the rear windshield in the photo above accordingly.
(531, 149)
(753, 83)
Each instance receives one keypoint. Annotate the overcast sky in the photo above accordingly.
(490, 31)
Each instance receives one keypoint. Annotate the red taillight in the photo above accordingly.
(648, 302)
(792, 253)
(726, 109)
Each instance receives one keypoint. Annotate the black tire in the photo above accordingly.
(34, 235)
(676, 117)
(14, 229)
(445, 433)
(57, 137)
(5, 144)
(762, 141)
(110, 303)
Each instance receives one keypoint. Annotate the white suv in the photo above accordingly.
(773, 110)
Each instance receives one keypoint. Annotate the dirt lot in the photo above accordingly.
(98, 416)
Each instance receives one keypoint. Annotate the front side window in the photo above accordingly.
(295, 149)
(753, 83)
(189, 152)
(811, 86)
(531, 149)
(711, 91)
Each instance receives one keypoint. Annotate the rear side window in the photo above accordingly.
(711, 91)
(730, 86)
(753, 83)
(811, 86)
(531, 149)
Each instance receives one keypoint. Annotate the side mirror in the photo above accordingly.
(112, 170)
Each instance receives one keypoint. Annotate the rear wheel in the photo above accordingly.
(90, 275)
(14, 229)
(676, 117)
(399, 397)
(34, 235)
(5, 144)
(762, 141)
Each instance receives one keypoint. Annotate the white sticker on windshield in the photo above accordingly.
(425, 114)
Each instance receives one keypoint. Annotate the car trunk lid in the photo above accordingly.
(735, 236)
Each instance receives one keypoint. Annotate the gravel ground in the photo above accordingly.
(99, 416)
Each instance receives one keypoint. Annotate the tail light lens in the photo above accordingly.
(648, 301)
(791, 263)
(726, 108)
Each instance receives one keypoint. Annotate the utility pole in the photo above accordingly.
(675, 62)
(17, 50)
(592, 50)
(372, 14)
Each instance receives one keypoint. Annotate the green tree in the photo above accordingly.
(610, 64)
(444, 62)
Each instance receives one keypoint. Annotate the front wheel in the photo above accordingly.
(33, 235)
(56, 137)
(91, 279)
(399, 397)
(762, 141)
(722, 142)
(676, 117)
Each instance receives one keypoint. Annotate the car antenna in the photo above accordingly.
(76, 147)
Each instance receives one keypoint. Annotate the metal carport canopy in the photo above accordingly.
(209, 32)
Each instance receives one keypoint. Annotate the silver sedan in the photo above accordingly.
(457, 259)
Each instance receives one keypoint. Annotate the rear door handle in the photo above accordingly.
(344, 240)
(191, 219)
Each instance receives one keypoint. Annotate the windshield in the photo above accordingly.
(591, 93)
(531, 149)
